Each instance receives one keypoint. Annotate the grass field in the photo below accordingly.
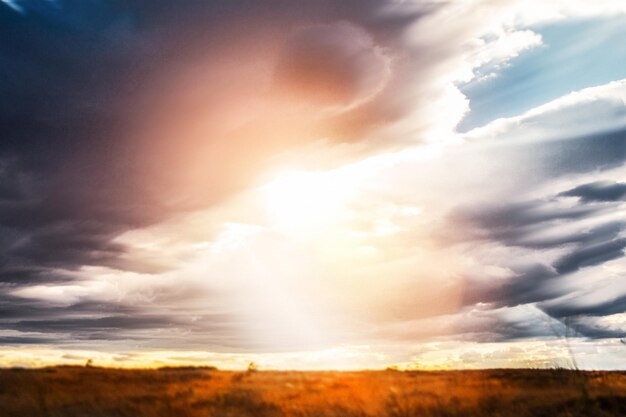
(196, 392)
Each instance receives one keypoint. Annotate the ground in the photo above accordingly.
(196, 392)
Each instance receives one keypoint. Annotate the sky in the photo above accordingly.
(313, 184)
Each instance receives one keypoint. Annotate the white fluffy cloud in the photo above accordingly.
(592, 110)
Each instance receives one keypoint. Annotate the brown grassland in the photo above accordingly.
(204, 392)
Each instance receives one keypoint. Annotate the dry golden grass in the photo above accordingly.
(189, 392)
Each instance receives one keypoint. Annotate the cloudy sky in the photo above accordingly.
(313, 184)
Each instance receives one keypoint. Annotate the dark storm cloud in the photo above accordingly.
(533, 282)
(502, 330)
(76, 76)
(595, 332)
(53, 323)
(598, 191)
(27, 275)
(24, 340)
(56, 113)
(591, 255)
(527, 286)
(66, 244)
(576, 155)
(515, 223)
(487, 323)
(12, 309)
(39, 321)
(93, 122)
(581, 236)
(102, 327)
(587, 235)
(577, 323)
(614, 305)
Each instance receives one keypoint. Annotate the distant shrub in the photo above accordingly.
(253, 367)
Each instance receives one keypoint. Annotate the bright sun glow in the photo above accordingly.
(305, 202)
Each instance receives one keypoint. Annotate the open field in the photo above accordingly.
(191, 392)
